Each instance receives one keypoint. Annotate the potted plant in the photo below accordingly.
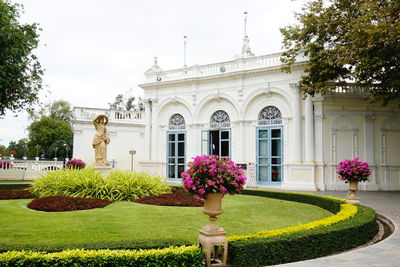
(353, 171)
(211, 177)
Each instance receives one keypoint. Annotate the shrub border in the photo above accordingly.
(301, 242)
(350, 227)
(172, 256)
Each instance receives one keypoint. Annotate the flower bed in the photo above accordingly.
(18, 193)
(177, 198)
(61, 203)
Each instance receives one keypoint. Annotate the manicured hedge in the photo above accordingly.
(123, 245)
(306, 244)
(174, 256)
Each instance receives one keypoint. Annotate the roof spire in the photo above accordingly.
(245, 24)
(246, 50)
(184, 51)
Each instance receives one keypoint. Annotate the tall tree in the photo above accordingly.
(347, 41)
(49, 136)
(20, 70)
(20, 147)
(59, 110)
(127, 103)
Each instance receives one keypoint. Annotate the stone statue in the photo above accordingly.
(100, 140)
(246, 51)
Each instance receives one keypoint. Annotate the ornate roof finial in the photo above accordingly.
(246, 51)
(184, 51)
(245, 24)
(155, 60)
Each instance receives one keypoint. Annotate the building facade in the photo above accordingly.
(251, 111)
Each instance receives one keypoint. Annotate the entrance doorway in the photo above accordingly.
(175, 154)
(269, 156)
(217, 142)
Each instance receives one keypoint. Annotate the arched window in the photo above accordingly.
(269, 115)
(177, 122)
(220, 119)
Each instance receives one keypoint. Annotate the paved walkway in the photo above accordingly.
(383, 254)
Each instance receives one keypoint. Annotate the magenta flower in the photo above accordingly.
(212, 174)
(75, 164)
(353, 170)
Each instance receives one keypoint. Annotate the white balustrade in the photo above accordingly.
(349, 89)
(237, 65)
(27, 169)
(82, 113)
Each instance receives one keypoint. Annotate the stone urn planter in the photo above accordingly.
(213, 237)
(211, 177)
(352, 197)
(353, 171)
(213, 208)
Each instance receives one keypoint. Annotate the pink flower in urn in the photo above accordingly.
(212, 174)
(353, 170)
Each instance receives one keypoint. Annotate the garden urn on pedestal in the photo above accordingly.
(211, 177)
(352, 197)
(353, 171)
(213, 237)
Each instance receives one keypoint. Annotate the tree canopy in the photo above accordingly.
(354, 41)
(59, 110)
(20, 70)
(49, 136)
(127, 103)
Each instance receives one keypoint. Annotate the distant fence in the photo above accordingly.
(27, 169)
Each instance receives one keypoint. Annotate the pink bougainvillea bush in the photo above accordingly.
(212, 174)
(353, 170)
(75, 164)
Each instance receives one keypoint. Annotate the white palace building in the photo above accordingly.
(251, 111)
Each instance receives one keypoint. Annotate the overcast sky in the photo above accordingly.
(92, 50)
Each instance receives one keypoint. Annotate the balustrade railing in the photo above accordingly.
(31, 165)
(237, 65)
(83, 113)
(349, 89)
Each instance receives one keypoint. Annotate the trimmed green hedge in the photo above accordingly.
(307, 244)
(174, 256)
(124, 244)
(257, 251)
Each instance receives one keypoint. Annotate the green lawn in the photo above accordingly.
(123, 220)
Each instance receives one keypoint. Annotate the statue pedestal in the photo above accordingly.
(104, 170)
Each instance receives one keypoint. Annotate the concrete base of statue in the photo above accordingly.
(104, 170)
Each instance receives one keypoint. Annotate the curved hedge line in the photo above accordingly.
(308, 243)
(350, 227)
(174, 256)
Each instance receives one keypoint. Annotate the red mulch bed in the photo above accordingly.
(61, 203)
(19, 193)
(178, 197)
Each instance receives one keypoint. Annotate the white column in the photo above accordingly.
(309, 131)
(296, 124)
(369, 149)
(154, 132)
(147, 130)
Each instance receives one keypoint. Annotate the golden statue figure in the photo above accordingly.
(100, 140)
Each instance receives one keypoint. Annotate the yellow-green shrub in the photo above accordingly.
(346, 212)
(172, 256)
(88, 183)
